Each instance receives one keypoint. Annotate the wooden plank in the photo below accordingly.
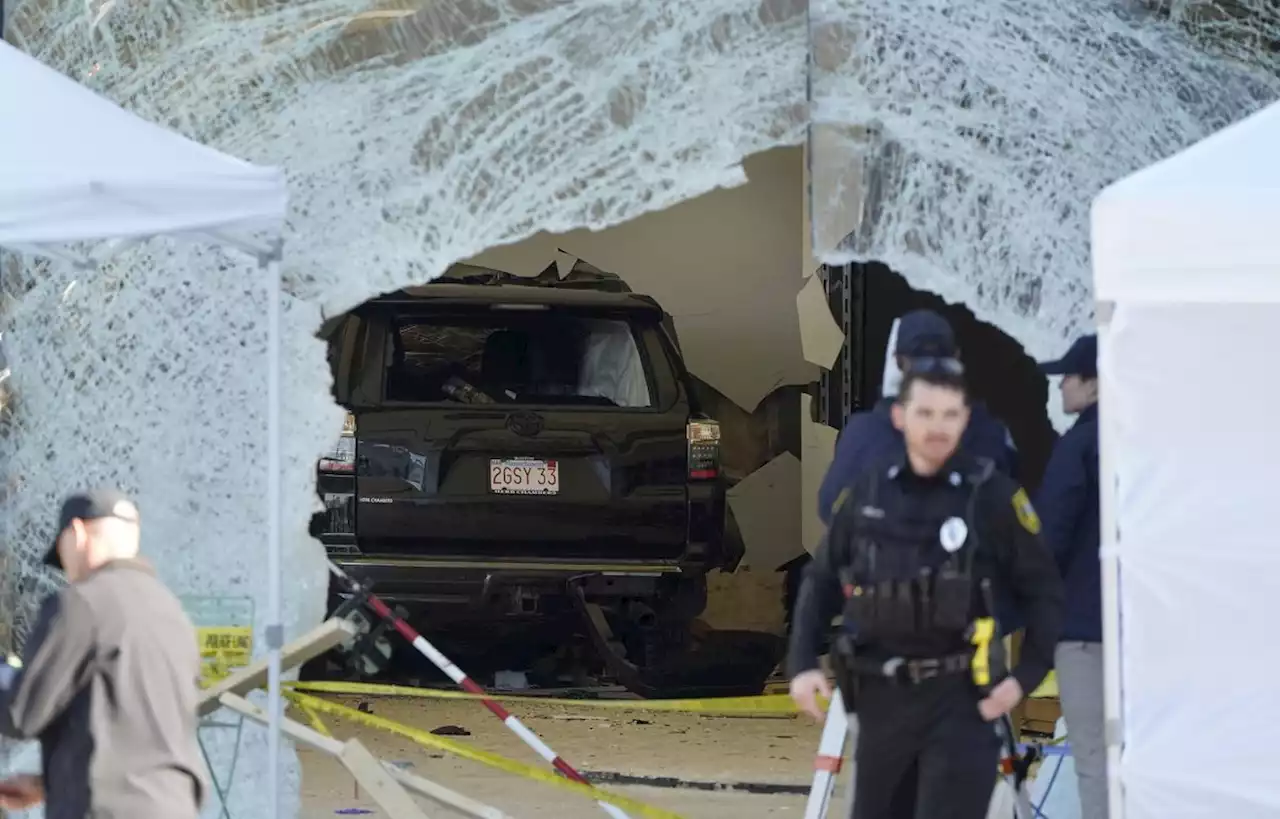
(445, 797)
(377, 780)
(292, 729)
(320, 639)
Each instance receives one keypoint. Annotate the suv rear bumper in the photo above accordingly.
(465, 587)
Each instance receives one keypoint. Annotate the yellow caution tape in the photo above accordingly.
(317, 724)
(765, 705)
(511, 766)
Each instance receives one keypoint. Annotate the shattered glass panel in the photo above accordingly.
(414, 134)
(961, 143)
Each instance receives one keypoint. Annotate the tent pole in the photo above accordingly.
(1113, 702)
(274, 630)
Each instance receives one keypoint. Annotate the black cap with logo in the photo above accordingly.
(86, 506)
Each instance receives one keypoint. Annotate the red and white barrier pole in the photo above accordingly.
(829, 760)
(470, 686)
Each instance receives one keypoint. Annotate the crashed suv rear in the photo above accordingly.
(523, 450)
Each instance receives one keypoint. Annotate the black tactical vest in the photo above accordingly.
(911, 587)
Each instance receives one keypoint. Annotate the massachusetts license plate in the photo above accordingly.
(524, 476)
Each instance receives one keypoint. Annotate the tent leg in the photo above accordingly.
(275, 629)
(1110, 557)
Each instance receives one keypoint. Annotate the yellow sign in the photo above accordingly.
(1026, 512)
(223, 649)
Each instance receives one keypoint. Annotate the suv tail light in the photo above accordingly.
(704, 449)
(343, 456)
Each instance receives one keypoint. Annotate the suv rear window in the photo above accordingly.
(541, 359)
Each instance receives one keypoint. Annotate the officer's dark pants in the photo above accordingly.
(924, 751)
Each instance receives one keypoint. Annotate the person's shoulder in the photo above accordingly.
(1081, 436)
(863, 430)
(980, 412)
(864, 420)
(999, 484)
(858, 483)
(1085, 427)
(844, 510)
(68, 601)
(1006, 495)
(983, 421)
(991, 482)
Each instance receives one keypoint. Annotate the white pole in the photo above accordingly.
(1109, 554)
(835, 731)
(274, 630)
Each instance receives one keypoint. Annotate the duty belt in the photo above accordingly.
(911, 670)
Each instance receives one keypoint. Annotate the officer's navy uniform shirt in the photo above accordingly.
(1068, 507)
(1009, 552)
(870, 437)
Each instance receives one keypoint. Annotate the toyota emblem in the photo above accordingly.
(525, 423)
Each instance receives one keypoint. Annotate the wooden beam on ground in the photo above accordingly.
(377, 780)
(320, 639)
(437, 793)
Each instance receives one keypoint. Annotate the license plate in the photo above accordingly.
(524, 476)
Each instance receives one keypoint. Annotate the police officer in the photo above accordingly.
(915, 555)
(868, 436)
(1068, 503)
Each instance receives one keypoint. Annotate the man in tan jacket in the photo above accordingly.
(108, 680)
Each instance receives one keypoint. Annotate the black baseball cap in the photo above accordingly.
(1081, 359)
(92, 505)
(925, 333)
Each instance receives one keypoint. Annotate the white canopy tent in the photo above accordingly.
(76, 170)
(1187, 278)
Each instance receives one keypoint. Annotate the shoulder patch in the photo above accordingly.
(1025, 512)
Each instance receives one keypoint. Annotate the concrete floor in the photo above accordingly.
(710, 749)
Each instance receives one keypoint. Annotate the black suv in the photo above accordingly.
(518, 446)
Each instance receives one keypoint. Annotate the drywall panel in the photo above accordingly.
(766, 506)
(820, 336)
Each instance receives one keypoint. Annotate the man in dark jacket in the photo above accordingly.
(869, 436)
(1068, 505)
(108, 680)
